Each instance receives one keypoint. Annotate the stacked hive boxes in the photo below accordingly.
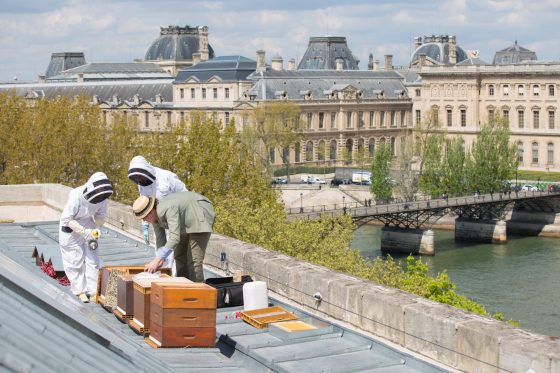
(182, 314)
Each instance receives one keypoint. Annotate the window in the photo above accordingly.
(349, 119)
(193, 95)
(403, 117)
(382, 118)
(297, 149)
(371, 147)
(271, 155)
(182, 93)
(309, 120)
(226, 92)
(309, 151)
(372, 119)
(536, 90)
(506, 116)
(146, 119)
(491, 90)
(536, 119)
(333, 120)
(168, 118)
(520, 90)
(520, 152)
(321, 119)
(491, 116)
(227, 117)
(393, 122)
(361, 123)
(551, 119)
(332, 154)
(215, 93)
(506, 90)
(203, 93)
(435, 116)
(535, 147)
(463, 117)
(393, 141)
(449, 117)
(550, 154)
(551, 90)
(418, 117)
(321, 151)
(418, 92)
(521, 118)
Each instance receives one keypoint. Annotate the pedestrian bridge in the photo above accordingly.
(407, 224)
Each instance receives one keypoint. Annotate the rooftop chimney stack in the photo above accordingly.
(41, 79)
(452, 50)
(388, 62)
(339, 64)
(375, 65)
(196, 57)
(370, 62)
(80, 78)
(291, 64)
(261, 66)
(277, 63)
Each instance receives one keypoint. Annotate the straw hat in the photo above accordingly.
(142, 206)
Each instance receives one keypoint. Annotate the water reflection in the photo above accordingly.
(520, 279)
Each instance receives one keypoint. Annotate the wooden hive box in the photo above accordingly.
(141, 300)
(125, 305)
(183, 315)
(105, 272)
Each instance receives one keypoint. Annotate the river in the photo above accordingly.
(520, 278)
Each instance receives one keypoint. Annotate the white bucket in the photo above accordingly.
(255, 295)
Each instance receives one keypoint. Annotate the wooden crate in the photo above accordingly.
(125, 303)
(263, 316)
(182, 317)
(141, 298)
(184, 295)
(105, 272)
(183, 336)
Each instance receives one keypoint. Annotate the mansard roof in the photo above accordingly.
(227, 68)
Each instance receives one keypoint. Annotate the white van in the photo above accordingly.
(361, 177)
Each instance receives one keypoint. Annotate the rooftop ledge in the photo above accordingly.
(458, 339)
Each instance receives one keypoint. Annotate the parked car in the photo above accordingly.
(336, 181)
(317, 180)
(279, 180)
(530, 188)
(555, 188)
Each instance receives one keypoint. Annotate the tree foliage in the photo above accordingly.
(380, 181)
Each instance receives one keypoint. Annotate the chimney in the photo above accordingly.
(159, 99)
(41, 79)
(452, 50)
(417, 42)
(136, 99)
(370, 62)
(422, 59)
(115, 99)
(388, 62)
(196, 58)
(375, 65)
(260, 61)
(277, 63)
(339, 64)
(291, 64)
(80, 78)
(203, 43)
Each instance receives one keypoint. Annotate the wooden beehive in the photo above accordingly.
(183, 315)
(125, 305)
(261, 317)
(105, 273)
(141, 300)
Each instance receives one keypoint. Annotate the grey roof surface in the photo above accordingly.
(105, 90)
(113, 71)
(513, 54)
(226, 68)
(321, 83)
(176, 43)
(44, 327)
(472, 61)
(63, 61)
(438, 51)
(322, 53)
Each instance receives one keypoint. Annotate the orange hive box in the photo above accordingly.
(261, 317)
(182, 315)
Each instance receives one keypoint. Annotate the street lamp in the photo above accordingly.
(301, 203)
(343, 205)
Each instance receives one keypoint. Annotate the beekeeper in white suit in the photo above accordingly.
(154, 182)
(80, 221)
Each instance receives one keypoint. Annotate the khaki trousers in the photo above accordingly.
(190, 255)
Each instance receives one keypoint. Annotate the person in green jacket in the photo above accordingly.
(188, 217)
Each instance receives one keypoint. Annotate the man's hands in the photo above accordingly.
(91, 234)
(154, 265)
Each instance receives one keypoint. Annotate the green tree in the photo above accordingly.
(432, 176)
(453, 179)
(380, 181)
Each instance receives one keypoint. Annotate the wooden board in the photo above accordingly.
(185, 295)
(182, 317)
(263, 316)
(182, 337)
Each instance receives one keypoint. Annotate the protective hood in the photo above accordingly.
(139, 166)
(98, 188)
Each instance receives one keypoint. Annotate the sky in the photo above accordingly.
(121, 30)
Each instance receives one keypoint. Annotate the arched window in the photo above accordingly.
(371, 147)
(491, 90)
(285, 155)
(361, 148)
(535, 147)
(393, 147)
(309, 151)
(349, 147)
(272, 155)
(520, 152)
(333, 150)
(297, 149)
(550, 154)
(321, 150)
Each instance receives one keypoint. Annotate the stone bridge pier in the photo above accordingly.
(490, 231)
(407, 240)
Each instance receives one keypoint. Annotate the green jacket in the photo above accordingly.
(182, 213)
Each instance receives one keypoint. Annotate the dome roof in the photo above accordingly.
(514, 54)
(322, 53)
(437, 49)
(178, 43)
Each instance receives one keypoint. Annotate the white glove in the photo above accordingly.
(91, 234)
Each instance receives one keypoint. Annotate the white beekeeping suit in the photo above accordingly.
(85, 211)
(154, 182)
